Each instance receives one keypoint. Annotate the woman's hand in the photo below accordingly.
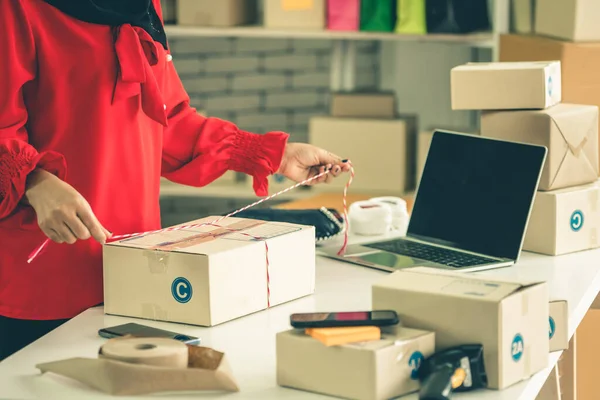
(63, 214)
(303, 161)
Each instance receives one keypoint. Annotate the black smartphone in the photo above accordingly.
(137, 330)
(341, 319)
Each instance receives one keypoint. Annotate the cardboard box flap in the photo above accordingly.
(577, 126)
(439, 282)
(507, 65)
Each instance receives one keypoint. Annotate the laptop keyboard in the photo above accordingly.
(435, 254)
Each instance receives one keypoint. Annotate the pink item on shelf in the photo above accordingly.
(343, 15)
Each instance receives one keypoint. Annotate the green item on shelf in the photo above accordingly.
(412, 17)
(377, 15)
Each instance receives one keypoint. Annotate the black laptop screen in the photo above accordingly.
(475, 193)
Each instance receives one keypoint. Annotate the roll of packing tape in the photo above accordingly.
(369, 218)
(160, 352)
(399, 209)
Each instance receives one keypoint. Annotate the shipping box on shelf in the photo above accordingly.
(523, 16)
(580, 63)
(363, 105)
(575, 20)
(509, 318)
(375, 370)
(381, 150)
(558, 330)
(569, 131)
(294, 14)
(216, 13)
(506, 86)
(564, 221)
(209, 275)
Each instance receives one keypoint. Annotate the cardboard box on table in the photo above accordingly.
(509, 318)
(558, 330)
(295, 14)
(375, 370)
(381, 150)
(209, 275)
(216, 13)
(363, 105)
(575, 20)
(506, 86)
(564, 221)
(569, 131)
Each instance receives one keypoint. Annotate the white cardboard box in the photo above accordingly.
(509, 318)
(564, 221)
(209, 275)
(506, 85)
(559, 325)
(376, 370)
(575, 20)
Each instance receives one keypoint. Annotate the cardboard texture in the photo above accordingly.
(382, 151)
(564, 221)
(295, 14)
(216, 13)
(580, 63)
(509, 318)
(559, 325)
(587, 356)
(506, 86)
(523, 16)
(575, 20)
(551, 388)
(363, 105)
(208, 370)
(209, 275)
(569, 131)
(376, 370)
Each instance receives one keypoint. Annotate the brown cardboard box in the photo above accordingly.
(195, 276)
(587, 356)
(523, 15)
(377, 370)
(295, 14)
(569, 131)
(509, 318)
(559, 325)
(216, 13)
(506, 86)
(381, 150)
(551, 388)
(564, 221)
(575, 20)
(363, 105)
(580, 63)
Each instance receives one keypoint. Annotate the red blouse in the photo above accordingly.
(105, 105)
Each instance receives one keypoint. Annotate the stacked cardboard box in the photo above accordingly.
(522, 102)
(364, 128)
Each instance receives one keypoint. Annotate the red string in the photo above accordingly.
(39, 250)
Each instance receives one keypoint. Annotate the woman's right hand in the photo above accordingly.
(62, 213)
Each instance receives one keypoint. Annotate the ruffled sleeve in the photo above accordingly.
(17, 157)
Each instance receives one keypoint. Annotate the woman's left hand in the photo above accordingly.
(303, 161)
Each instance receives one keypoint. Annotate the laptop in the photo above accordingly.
(471, 208)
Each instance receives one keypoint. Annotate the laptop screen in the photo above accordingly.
(476, 194)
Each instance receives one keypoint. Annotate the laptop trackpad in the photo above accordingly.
(389, 260)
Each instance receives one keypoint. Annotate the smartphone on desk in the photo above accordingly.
(342, 319)
(138, 330)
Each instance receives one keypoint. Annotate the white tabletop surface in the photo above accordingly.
(249, 342)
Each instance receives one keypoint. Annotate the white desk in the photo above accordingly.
(249, 342)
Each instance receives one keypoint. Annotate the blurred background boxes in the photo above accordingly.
(294, 14)
(523, 16)
(169, 9)
(575, 20)
(343, 15)
(363, 105)
(216, 13)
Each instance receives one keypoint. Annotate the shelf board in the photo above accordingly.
(484, 39)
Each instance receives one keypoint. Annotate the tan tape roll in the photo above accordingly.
(160, 352)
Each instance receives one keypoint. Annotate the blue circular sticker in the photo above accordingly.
(550, 86)
(414, 362)
(517, 348)
(552, 328)
(181, 289)
(576, 221)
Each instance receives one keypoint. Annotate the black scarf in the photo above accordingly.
(139, 13)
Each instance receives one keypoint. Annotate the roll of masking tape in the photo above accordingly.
(369, 218)
(399, 209)
(160, 352)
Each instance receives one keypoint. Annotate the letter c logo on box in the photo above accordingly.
(552, 328)
(576, 220)
(181, 289)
